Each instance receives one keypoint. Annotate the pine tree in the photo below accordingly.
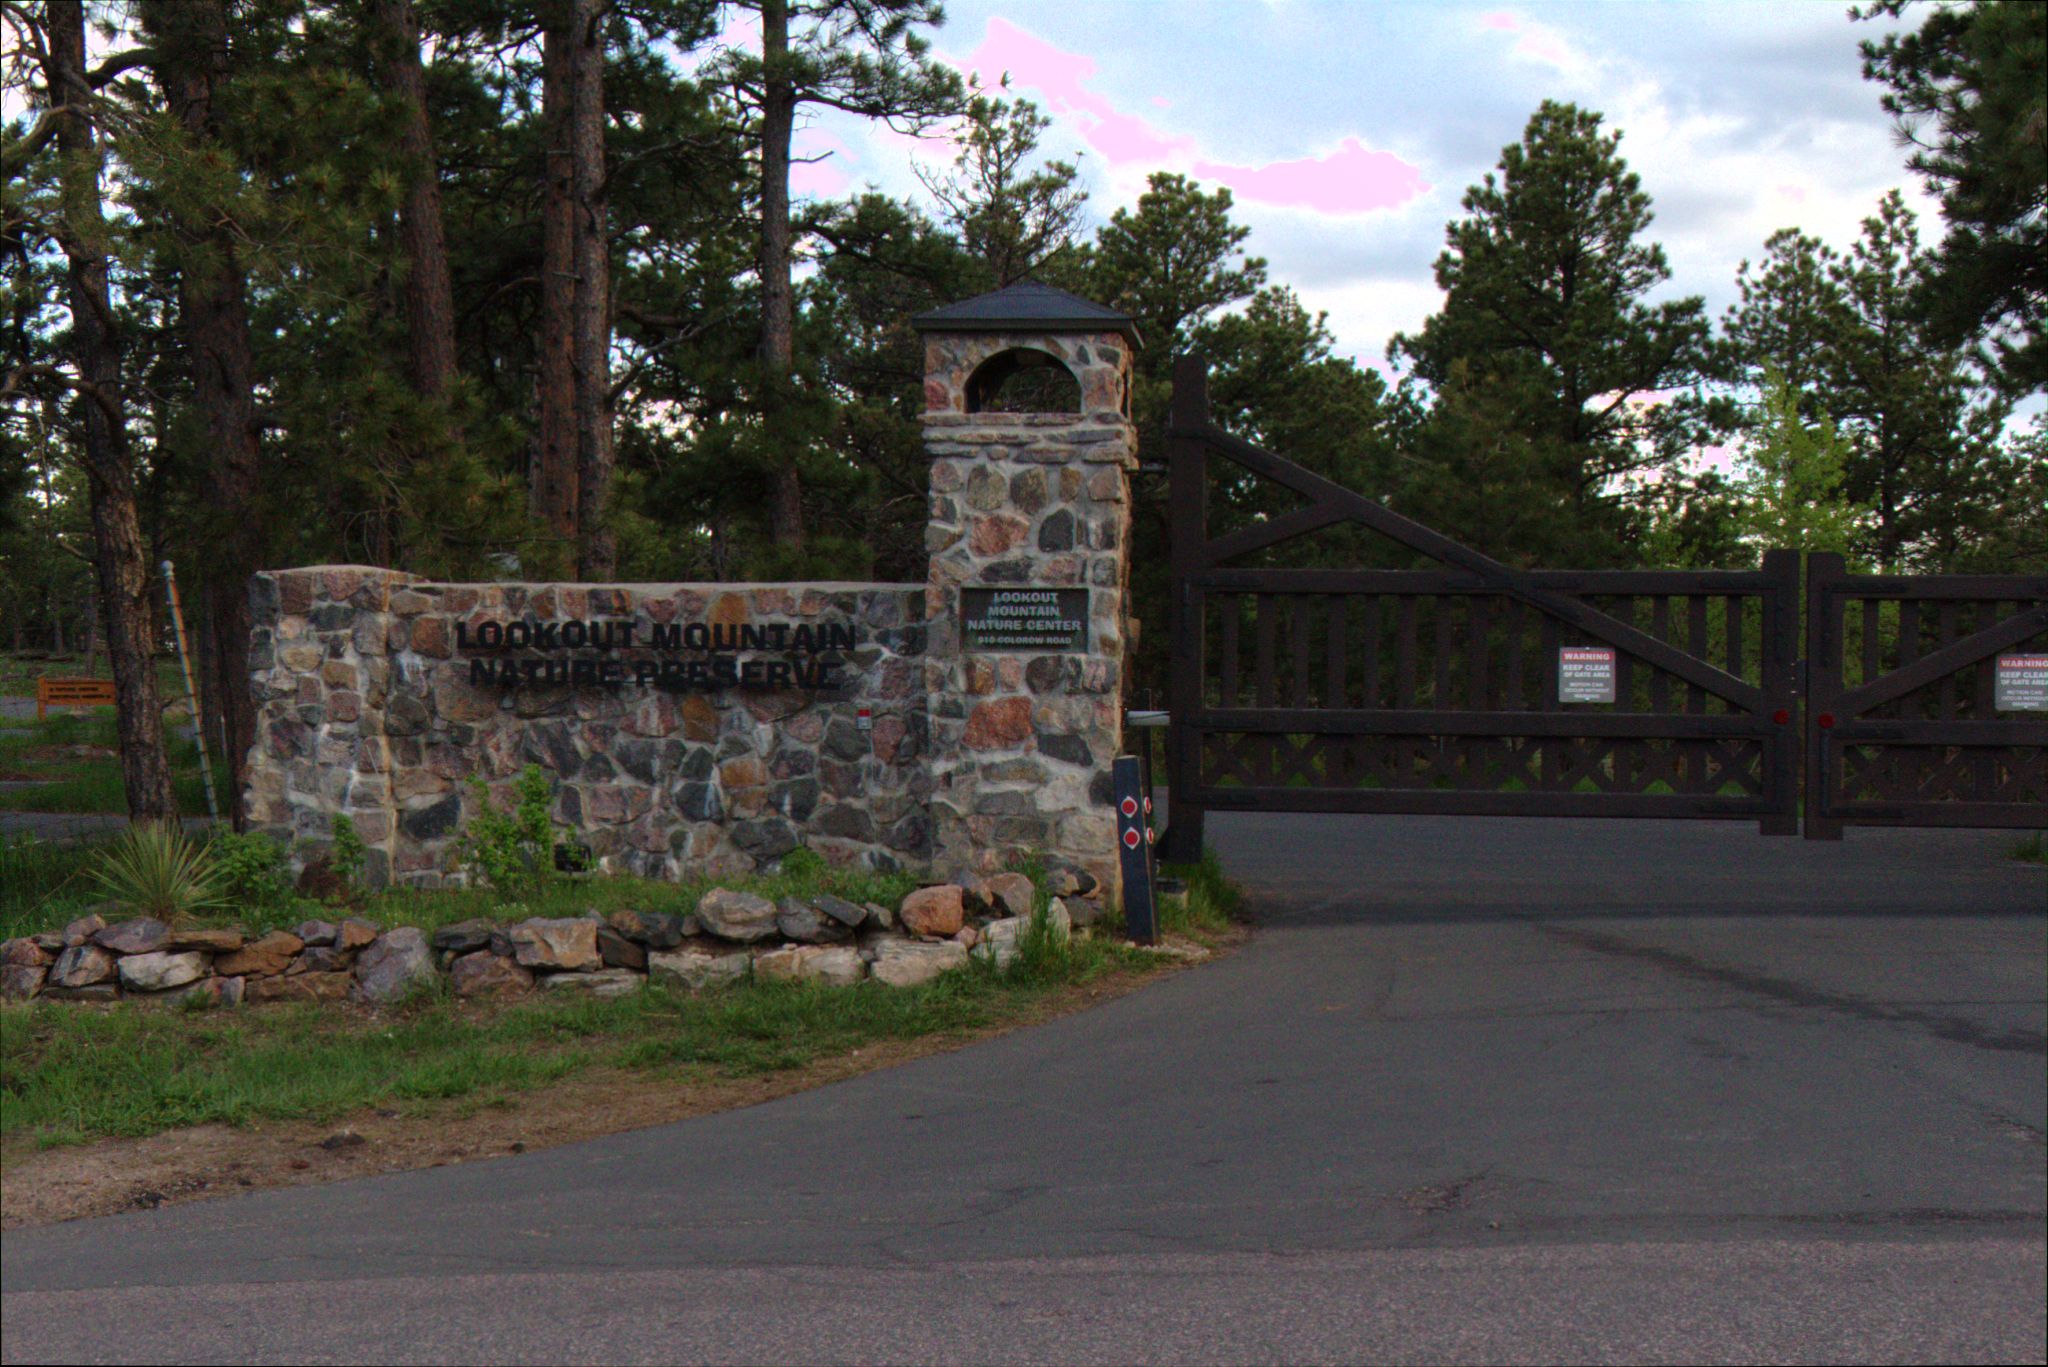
(1969, 91)
(1791, 485)
(1564, 358)
(865, 57)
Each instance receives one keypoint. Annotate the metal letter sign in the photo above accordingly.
(1045, 621)
(1134, 849)
(1585, 674)
(2021, 684)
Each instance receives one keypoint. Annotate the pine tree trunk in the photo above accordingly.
(778, 298)
(596, 552)
(554, 468)
(192, 67)
(123, 578)
(429, 295)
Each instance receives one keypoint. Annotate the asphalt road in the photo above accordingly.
(1479, 1090)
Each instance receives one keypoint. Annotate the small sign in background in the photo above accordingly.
(1585, 674)
(2021, 683)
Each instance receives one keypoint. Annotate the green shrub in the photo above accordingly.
(251, 870)
(347, 855)
(512, 852)
(154, 870)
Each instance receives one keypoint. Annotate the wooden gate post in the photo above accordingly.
(1782, 683)
(1187, 521)
(1824, 569)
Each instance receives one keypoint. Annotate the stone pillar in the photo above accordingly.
(1022, 742)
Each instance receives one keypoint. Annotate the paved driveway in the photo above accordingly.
(1480, 1089)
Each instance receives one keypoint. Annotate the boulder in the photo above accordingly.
(734, 915)
(906, 963)
(1010, 894)
(1060, 919)
(143, 935)
(464, 937)
(616, 951)
(654, 929)
(396, 962)
(833, 965)
(49, 941)
(1064, 878)
(937, 910)
(852, 915)
(318, 932)
(354, 933)
(82, 966)
(83, 929)
(967, 935)
(95, 992)
(481, 973)
(605, 982)
(24, 953)
(162, 970)
(211, 941)
(779, 965)
(212, 992)
(805, 923)
(322, 959)
(19, 982)
(266, 957)
(999, 940)
(312, 987)
(568, 945)
(879, 916)
(694, 970)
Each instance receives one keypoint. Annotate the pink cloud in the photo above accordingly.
(1502, 20)
(1352, 179)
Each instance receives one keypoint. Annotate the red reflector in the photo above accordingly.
(1782, 715)
(1826, 720)
(1131, 837)
(1130, 806)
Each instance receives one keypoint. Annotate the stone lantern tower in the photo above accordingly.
(1027, 423)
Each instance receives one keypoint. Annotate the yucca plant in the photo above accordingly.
(153, 870)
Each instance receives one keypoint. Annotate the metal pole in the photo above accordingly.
(191, 693)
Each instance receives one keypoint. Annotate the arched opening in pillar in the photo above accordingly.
(1023, 380)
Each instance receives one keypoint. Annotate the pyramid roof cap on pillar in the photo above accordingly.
(1027, 306)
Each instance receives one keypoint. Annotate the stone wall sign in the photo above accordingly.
(693, 657)
(1039, 621)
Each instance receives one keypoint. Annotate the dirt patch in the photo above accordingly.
(205, 1161)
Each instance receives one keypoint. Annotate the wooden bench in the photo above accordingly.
(72, 693)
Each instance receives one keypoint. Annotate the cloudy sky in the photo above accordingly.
(1349, 129)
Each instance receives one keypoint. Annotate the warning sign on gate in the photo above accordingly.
(2021, 683)
(1585, 674)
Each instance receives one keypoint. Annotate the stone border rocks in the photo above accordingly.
(732, 934)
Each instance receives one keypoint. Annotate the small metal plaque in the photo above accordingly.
(2021, 683)
(1585, 674)
(1027, 620)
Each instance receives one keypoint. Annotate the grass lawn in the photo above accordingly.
(72, 757)
(18, 673)
(72, 1074)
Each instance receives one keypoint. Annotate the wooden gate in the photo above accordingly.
(1904, 723)
(1437, 689)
